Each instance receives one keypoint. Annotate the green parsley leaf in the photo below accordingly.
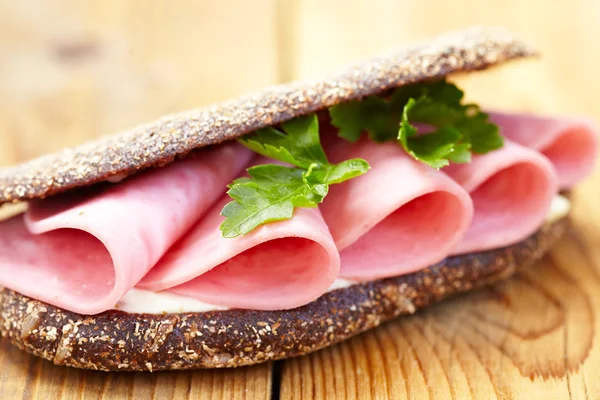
(433, 148)
(461, 153)
(461, 128)
(299, 145)
(371, 115)
(338, 173)
(483, 135)
(272, 192)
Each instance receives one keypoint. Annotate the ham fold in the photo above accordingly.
(571, 144)
(84, 252)
(512, 189)
(279, 265)
(398, 218)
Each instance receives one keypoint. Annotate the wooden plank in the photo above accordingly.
(535, 336)
(26, 377)
(71, 70)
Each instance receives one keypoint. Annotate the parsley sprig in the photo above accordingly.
(271, 192)
(428, 120)
(458, 129)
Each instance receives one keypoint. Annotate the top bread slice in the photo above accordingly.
(162, 141)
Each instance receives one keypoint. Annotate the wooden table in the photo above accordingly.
(72, 70)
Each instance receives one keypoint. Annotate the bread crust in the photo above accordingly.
(116, 340)
(160, 142)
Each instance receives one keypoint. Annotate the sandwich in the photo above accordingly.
(286, 220)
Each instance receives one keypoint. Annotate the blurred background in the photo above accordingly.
(71, 70)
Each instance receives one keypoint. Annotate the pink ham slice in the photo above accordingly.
(280, 265)
(571, 144)
(84, 253)
(512, 189)
(400, 217)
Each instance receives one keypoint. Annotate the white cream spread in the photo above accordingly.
(116, 178)
(144, 301)
(340, 283)
(559, 208)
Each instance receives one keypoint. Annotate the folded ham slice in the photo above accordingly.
(279, 265)
(398, 218)
(84, 252)
(571, 144)
(512, 189)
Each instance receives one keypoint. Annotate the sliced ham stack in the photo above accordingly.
(159, 231)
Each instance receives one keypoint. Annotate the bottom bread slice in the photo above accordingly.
(115, 340)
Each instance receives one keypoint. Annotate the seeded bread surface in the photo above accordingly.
(160, 142)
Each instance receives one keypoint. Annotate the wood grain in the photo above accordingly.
(26, 377)
(73, 70)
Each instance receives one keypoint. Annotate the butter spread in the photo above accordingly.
(559, 208)
(145, 301)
